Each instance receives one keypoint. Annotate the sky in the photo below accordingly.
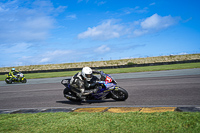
(36, 32)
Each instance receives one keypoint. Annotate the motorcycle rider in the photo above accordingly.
(84, 83)
(13, 73)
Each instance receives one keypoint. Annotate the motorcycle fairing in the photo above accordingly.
(107, 87)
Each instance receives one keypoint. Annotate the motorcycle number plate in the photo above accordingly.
(108, 79)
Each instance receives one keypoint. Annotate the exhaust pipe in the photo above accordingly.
(69, 97)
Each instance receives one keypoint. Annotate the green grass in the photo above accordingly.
(111, 71)
(154, 68)
(101, 122)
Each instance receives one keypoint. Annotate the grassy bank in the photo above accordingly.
(157, 59)
(101, 122)
(112, 71)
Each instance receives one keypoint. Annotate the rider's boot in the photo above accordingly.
(87, 92)
(81, 96)
(79, 93)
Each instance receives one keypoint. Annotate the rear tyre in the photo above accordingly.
(8, 81)
(119, 94)
(67, 91)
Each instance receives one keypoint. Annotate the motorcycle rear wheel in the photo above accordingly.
(8, 81)
(119, 94)
(67, 91)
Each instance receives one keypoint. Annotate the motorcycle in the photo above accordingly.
(19, 78)
(106, 89)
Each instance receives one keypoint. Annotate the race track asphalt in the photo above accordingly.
(174, 88)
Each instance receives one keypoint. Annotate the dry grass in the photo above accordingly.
(105, 63)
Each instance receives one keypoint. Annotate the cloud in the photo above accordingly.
(158, 22)
(102, 49)
(152, 4)
(71, 17)
(44, 60)
(58, 52)
(137, 9)
(83, 0)
(155, 23)
(107, 30)
(2, 9)
(111, 28)
(187, 20)
(55, 55)
(16, 48)
(100, 3)
(14, 53)
(21, 24)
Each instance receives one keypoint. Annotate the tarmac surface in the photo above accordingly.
(174, 90)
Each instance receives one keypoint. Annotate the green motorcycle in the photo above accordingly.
(19, 77)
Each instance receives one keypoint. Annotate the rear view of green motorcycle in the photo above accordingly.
(18, 77)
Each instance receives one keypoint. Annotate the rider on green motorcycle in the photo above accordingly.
(13, 73)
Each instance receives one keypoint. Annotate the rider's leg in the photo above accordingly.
(87, 92)
(79, 92)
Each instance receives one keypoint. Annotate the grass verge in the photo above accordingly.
(170, 58)
(101, 122)
(112, 71)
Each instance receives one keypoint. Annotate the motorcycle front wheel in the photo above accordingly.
(119, 94)
(24, 80)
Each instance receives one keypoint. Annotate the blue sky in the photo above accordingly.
(34, 32)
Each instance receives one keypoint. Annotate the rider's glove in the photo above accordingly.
(87, 85)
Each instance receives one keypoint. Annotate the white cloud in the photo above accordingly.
(155, 23)
(152, 4)
(158, 22)
(102, 49)
(38, 23)
(54, 56)
(2, 9)
(27, 24)
(100, 3)
(139, 32)
(187, 20)
(183, 53)
(107, 30)
(58, 52)
(73, 16)
(137, 9)
(19, 48)
(110, 29)
(44, 60)
(82, 0)
(13, 54)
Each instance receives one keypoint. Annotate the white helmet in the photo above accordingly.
(87, 73)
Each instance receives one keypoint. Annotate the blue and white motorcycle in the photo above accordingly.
(106, 89)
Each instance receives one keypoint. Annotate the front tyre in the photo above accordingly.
(119, 94)
(24, 80)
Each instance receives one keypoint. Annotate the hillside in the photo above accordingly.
(158, 59)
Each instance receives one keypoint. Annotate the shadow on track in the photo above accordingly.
(85, 102)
